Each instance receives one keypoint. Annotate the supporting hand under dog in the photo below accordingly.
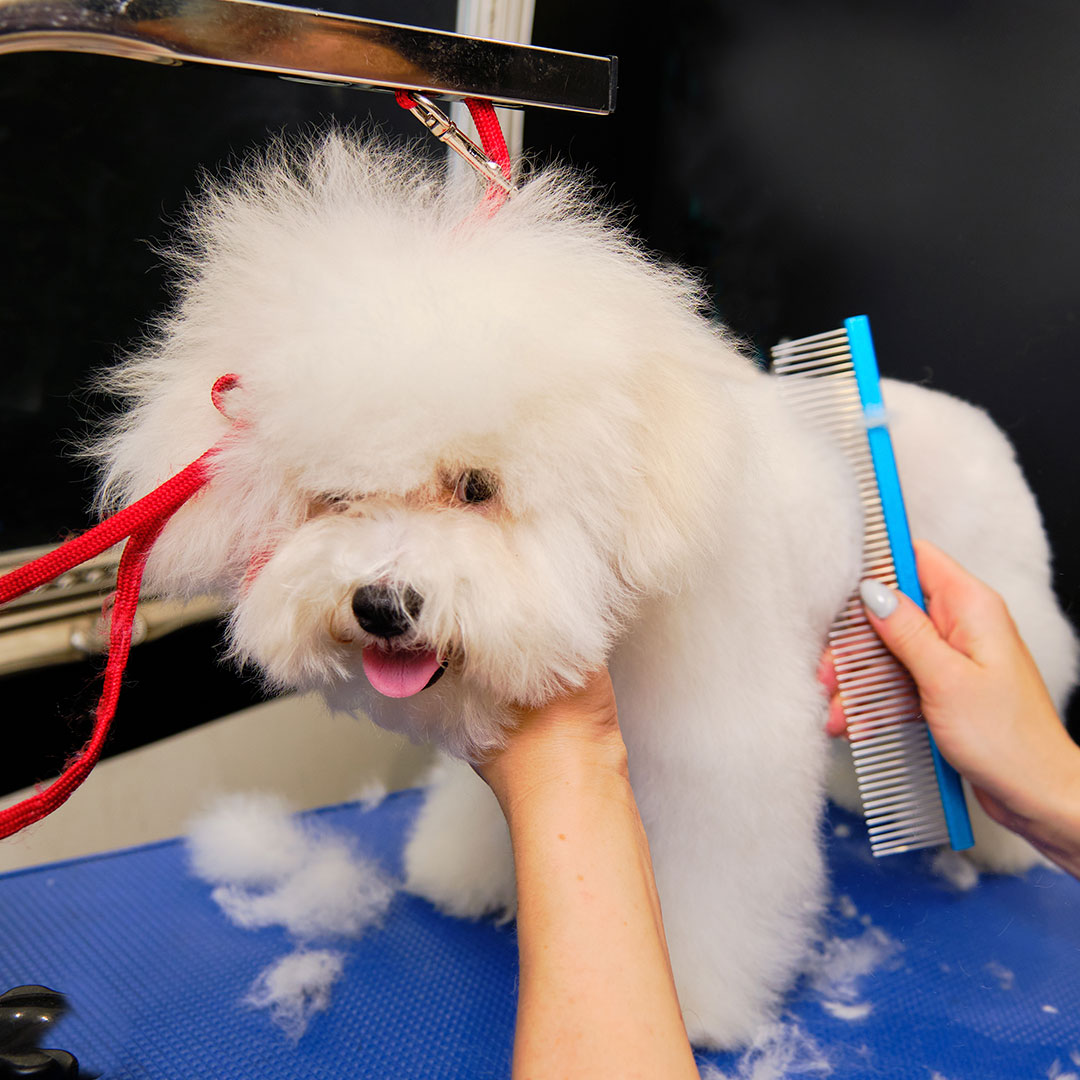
(596, 997)
(985, 701)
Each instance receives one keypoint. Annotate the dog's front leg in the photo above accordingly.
(740, 900)
(728, 773)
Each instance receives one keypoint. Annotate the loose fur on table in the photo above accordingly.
(270, 868)
(506, 449)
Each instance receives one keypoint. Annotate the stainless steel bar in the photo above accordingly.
(298, 43)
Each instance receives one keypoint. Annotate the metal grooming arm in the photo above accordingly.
(297, 43)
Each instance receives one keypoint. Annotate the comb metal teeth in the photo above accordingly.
(890, 743)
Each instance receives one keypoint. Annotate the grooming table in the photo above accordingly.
(986, 983)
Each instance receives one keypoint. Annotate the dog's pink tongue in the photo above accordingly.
(400, 673)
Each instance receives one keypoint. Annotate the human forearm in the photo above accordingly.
(597, 997)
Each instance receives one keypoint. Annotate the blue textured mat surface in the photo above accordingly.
(984, 984)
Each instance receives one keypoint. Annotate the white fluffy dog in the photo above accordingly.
(470, 458)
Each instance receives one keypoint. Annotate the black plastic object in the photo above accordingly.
(26, 1015)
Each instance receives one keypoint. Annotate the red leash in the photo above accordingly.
(491, 138)
(141, 524)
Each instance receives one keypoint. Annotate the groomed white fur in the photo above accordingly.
(656, 506)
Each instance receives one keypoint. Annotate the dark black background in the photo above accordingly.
(919, 162)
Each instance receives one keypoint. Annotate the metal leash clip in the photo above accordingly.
(445, 130)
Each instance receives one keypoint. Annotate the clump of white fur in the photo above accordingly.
(779, 1051)
(952, 867)
(840, 964)
(246, 841)
(273, 869)
(296, 987)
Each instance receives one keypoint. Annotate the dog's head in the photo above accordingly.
(460, 449)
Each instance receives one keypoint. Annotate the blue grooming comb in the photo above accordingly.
(912, 797)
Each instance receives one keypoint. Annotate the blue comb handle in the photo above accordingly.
(892, 502)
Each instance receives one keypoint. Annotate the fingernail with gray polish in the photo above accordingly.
(880, 599)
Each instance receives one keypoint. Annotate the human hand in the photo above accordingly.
(981, 693)
(574, 736)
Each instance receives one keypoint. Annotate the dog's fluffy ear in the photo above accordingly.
(687, 460)
(209, 543)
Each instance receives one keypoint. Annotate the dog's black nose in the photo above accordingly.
(386, 610)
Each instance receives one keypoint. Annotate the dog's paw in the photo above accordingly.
(459, 855)
(717, 1020)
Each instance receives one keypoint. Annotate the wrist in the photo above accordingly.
(1047, 817)
(1054, 799)
(1057, 832)
(559, 779)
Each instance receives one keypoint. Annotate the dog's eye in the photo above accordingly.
(331, 502)
(476, 486)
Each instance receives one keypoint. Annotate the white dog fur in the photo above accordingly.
(652, 504)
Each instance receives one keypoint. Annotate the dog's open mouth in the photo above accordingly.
(400, 673)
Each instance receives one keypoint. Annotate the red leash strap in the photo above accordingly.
(159, 504)
(128, 580)
(142, 522)
(491, 136)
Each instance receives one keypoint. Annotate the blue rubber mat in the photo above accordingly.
(979, 984)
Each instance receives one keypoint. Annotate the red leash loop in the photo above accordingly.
(142, 522)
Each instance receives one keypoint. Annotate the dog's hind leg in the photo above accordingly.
(459, 855)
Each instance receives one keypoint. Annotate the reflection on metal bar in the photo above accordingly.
(62, 620)
(301, 44)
